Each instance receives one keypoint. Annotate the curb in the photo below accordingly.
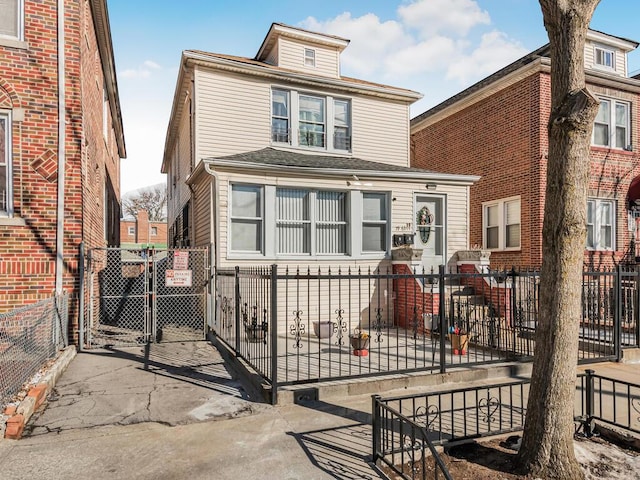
(17, 414)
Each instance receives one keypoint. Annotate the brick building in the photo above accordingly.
(140, 231)
(59, 186)
(497, 129)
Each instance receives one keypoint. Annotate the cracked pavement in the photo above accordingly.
(169, 384)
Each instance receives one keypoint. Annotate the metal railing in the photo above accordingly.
(404, 427)
(30, 336)
(299, 326)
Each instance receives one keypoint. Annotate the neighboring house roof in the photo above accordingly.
(105, 46)
(295, 163)
(537, 54)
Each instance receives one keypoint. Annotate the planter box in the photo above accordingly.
(255, 333)
(324, 329)
(359, 345)
(459, 344)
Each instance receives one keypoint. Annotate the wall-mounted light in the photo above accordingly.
(431, 186)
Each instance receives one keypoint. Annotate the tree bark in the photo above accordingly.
(547, 444)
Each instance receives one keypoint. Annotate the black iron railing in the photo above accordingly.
(299, 326)
(405, 428)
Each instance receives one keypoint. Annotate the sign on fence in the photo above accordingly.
(180, 260)
(178, 278)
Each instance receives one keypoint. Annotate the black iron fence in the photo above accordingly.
(405, 429)
(300, 326)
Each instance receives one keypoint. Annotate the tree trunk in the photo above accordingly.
(547, 444)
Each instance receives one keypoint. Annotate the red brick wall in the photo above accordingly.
(29, 80)
(411, 300)
(503, 138)
(143, 231)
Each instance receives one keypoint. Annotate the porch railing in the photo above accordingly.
(300, 326)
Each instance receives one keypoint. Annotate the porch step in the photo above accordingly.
(630, 355)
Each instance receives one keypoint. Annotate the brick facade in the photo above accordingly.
(29, 94)
(145, 231)
(503, 138)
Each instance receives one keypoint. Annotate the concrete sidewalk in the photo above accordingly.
(173, 411)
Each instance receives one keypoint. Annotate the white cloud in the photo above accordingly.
(494, 52)
(142, 71)
(443, 16)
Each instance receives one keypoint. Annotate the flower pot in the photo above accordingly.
(459, 344)
(359, 343)
(323, 329)
(254, 333)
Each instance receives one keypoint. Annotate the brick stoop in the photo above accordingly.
(16, 415)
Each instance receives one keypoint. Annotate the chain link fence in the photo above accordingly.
(30, 336)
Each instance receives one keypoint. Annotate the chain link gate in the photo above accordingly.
(144, 295)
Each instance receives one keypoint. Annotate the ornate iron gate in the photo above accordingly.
(144, 295)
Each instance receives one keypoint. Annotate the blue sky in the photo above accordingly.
(436, 47)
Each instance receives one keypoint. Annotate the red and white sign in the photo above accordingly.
(178, 278)
(180, 260)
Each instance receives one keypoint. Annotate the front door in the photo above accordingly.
(430, 230)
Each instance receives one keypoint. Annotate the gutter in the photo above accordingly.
(214, 213)
(61, 151)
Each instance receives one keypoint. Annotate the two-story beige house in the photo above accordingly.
(281, 159)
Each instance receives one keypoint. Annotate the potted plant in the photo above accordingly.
(360, 343)
(324, 329)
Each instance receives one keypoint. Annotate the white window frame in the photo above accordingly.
(6, 210)
(131, 230)
(383, 221)
(501, 224)
(597, 226)
(331, 144)
(6, 39)
(604, 52)
(279, 137)
(309, 57)
(260, 219)
(154, 231)
(612, 125)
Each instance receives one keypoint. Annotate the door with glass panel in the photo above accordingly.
(430, 230)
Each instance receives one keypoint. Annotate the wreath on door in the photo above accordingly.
(424, 219)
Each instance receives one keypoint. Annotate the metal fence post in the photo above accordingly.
(443, 323)
(81, 295)
(514, 309)
(637, 306)
(237, 308)
(375, 427)
(589, 401)
(274, 334)
(617, 321)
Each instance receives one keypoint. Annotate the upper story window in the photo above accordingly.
(6, 207)
(309, 57)
(312, 126)
(12, 19)
(604, 58)
(501, 224)
(132, 230)
(322, 122)
(154, 231)
(600, 224)
(612, 125)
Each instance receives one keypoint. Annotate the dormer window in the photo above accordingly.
(309, 57)
(604, 58)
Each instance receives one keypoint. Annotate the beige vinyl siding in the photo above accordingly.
(202, 211)
(620, 58)
(291, 55)
(233, 113)
(380, 131)
(180, 169)
(272, 57)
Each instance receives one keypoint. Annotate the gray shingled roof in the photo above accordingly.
(284, 158)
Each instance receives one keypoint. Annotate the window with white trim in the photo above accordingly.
(132, 230)
(600, 224)
(6, 200)
(604, 57)
(154, 231)
(612, 125)
(374, 222)
(311, 222)
(501, 224)
(246, 218)
(321, 121)
(309, 57)
(12, 19)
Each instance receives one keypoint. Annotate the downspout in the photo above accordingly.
(214, 213)
(61, 151)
